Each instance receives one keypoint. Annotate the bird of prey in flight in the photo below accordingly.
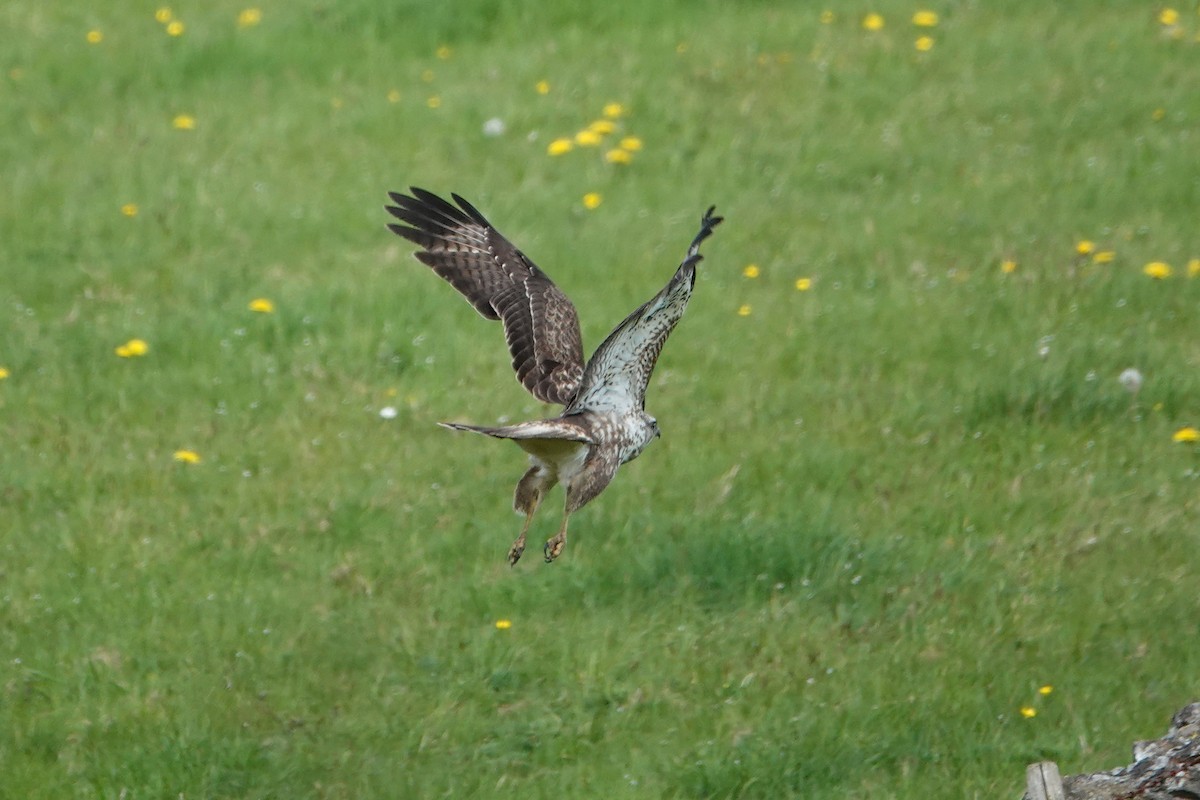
(604, 423)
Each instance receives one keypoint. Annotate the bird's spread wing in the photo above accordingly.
(619, 370)
(540, 324)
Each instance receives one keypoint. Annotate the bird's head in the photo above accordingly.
(651, 425)
(646, 433)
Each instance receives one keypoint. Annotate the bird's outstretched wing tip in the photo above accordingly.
(707, 223)
(471, 210)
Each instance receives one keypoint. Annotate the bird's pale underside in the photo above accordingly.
(604, 423)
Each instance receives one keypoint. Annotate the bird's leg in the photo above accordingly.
(530, 490)
(597, 471)
(554, 546)
(518, 546)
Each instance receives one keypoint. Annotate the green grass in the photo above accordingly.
(878, 519)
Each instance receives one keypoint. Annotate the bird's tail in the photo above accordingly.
(539, 429)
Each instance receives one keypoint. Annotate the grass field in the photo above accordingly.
(905, 531)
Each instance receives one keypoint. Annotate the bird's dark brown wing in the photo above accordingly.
(540, 324)
(620, 369)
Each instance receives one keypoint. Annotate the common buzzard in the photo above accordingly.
(604, 423)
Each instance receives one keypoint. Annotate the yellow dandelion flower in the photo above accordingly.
(1186, 435)
(873, 22)
(132, 349)
(1045, 690)
(925, 19)
(434, 101)
(744, 310)
(427, 76)
(1158, 114)
(614, 110)
(618, 156)
(94, 37)
(129, 209)
(750, 271)
(163, 15)
(560, 146)
(1103, 256)
(592, 200)
(393, 96)
(631, 143)
(249, 17)
(542, 87)
(1157, 270)
(1028, 712)
(924, 43)
(444, 52)
(1008, 266)
(184, 122)
(1193, 268)
(826, 17)
(503, 624)
(175, 28)
(187, 456)
(4, 373)
(803, 284)
(262, 305)
(1168, 16)
(587, 138)
(602, 127)
(1085, 247)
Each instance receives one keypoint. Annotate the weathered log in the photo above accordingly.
(1163, 769)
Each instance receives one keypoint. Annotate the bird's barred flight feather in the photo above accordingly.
(619, 371)
(540, 324)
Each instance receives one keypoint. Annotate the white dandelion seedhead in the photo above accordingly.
(1132, 379)
(494, 127)
(388, 412)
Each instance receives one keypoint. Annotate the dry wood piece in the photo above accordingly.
(1163, 769)
(1042, 781)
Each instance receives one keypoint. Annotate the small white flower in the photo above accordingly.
(388, 412)
(494, 127)
(1131, 379)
